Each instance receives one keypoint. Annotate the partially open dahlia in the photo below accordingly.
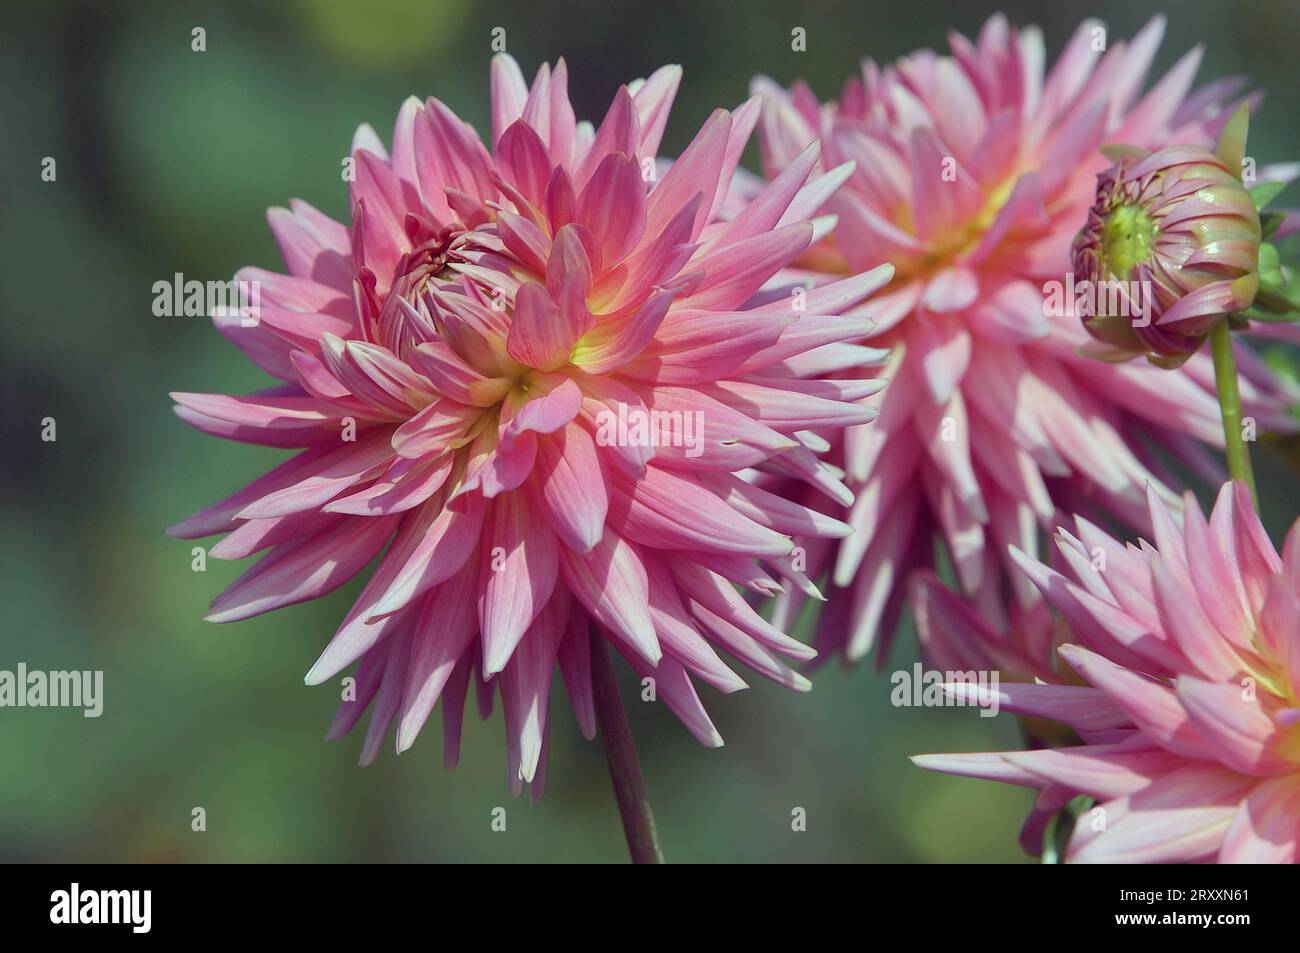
(1187, 694)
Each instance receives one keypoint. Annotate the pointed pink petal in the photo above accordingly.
(518, 575)
(303, 569)
(611, 582)
(653, 100)
(523, 161)
(666, 511)
(446, 625)
(526, 685)
(574, 487)
(613, 207)
(575, 666)
(441, 550)
(509, 93)
(696, 170)
(618, 133)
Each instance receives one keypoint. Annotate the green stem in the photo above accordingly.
(1225, 379)
(620, 752)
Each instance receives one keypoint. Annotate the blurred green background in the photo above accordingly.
(167, 160)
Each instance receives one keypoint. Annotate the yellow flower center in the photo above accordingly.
(1127, 236)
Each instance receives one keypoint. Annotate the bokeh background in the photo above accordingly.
(167, 160)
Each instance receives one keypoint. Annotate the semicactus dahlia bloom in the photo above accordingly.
(973, 173)
(1176, 234)
(533, 374)
(1189, 707)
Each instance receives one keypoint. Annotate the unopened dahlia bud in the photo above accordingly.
(1171, 247)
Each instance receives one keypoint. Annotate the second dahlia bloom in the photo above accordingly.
(973, 172)
(1178, 236)
(1190, 707)
(528, 377)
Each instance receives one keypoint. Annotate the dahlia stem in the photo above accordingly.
(620, 752)
(1225, 379)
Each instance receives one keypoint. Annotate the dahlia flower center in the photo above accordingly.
(962, 241)
(1268, 680)
(429, 259)
(1127, 236)
(399, 318)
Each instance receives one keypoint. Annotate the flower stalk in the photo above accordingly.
(1225, 379)
(620, 753)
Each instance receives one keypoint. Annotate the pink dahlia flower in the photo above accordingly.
(1189, 707)
(532, 374)
(973, 173)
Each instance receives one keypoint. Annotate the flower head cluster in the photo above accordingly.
(973, 172)
(458, 370)
(1189, 707)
